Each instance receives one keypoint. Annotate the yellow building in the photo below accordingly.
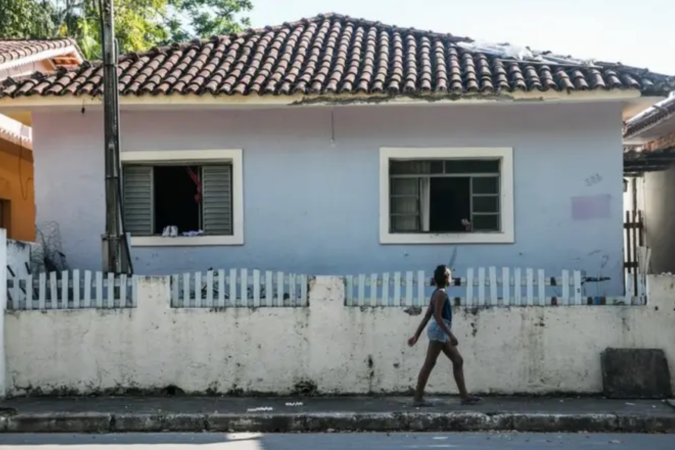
(21, 58)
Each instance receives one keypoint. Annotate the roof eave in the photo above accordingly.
(244, 101)
(44, 55)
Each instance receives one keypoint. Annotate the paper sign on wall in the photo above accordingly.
(591, 207)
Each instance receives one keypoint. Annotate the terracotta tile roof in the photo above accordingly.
(12, 50)
(653, 116)
(333, 54)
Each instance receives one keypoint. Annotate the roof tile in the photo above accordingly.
(333, 54)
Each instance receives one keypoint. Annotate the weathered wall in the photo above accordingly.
(311, 188)
(16, 187)
(336, 348)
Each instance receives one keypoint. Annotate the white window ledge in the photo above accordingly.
(184, 241)
(446, 238)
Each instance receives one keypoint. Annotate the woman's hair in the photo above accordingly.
(439, 275)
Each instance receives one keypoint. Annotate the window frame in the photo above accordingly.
(506, 195)
(197, 158)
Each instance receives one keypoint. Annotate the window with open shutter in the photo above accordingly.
(138, 200)
(217, 199)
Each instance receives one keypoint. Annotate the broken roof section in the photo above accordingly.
(61, 52)
(338, 55)
(652, 122)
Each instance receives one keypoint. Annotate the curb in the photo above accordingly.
(335, 422)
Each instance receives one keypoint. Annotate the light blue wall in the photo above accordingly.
(311, 205)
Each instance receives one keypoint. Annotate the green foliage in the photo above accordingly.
(139, 24)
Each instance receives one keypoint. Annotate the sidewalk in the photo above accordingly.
(321, 414)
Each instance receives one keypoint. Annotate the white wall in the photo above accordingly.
(339, 349)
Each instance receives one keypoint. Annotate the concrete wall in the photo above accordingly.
(16, 190)
(311, 187)
(335, 348)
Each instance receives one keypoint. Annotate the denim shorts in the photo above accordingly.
(436, 333)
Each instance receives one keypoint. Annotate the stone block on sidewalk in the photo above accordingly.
(635, 374)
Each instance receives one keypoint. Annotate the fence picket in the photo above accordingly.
(529, 274)
(577, 287)
(541, 281)
(111, 290)
(421, 284)
(506, 286)
(494, 299)
(232, 284)
(42, 291)
(64, 289)
(99, 289)
(198, 289)
(469, 287)
(87, 289)
(398, 300)
(29, 292)
(280, 289)
(349, 290)
(385, 290)
(209, 289)
(76, 289)
(269, 289)
(256, 288)
(518, 287)
(221, 288)
(123, 290)
(409, 288)
(373, 290)
(303, 289)
(185, 303)
(243, 287)
(292, 290)
(134, 292)
(481, 286)
(565, 300)
(361, 294)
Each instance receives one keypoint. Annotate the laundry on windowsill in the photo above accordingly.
(172, 231)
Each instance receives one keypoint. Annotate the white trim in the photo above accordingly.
(235, 156)
(506, 236)
(16, 132)
(190, 101)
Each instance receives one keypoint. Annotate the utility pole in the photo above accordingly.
(116, 258)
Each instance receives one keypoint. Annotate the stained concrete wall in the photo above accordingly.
(334, 348)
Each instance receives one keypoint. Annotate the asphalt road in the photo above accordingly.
(334, 441)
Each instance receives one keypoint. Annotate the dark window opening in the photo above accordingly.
(449, 204)
(177, 198)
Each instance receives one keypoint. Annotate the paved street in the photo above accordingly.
(331, 441)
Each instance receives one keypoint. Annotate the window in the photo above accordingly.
(446, 195)
(183, 197)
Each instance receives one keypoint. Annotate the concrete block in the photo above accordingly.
(635, 374)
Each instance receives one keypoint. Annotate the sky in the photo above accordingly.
(635, 33)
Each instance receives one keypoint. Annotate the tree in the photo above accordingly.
(23, 19)
(139, 24)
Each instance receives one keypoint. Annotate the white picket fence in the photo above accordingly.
(239, 288)
(70, 290)
(487, 287)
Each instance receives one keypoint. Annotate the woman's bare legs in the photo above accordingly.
(455, 357)
(435, 348)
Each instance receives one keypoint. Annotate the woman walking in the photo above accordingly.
(441, 339)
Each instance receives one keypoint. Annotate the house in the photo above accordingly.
(336, 145)
(649, 154)
(21, 58)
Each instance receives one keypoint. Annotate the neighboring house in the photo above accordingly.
(21, 58)
(649, 154)
(336, 145)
